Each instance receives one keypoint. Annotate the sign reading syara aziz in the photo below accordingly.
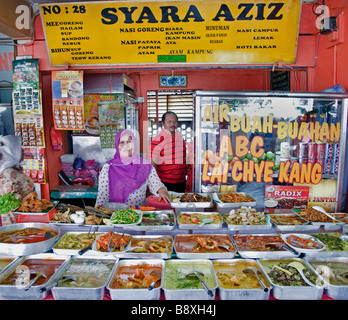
(214, 31)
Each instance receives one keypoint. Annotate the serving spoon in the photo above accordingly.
(322, 210)
(199, 275)
(62, 279)
(278, 245)
(300, 267)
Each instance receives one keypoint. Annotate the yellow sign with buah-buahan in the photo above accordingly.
(214, 31)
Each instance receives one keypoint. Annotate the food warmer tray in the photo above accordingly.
(242, 294)
(164, 227)
(280, 292)
(250, 228)
(305, 227)
(72, 251)
(135, 294)
(327, 253)
(339, 292)
(82, 293)
(226, 207)
(13, 292)
(208, 226)
(204, 255)
(189, 294)
(96, 252)
(254, 254)
(332, 226)
(138, 255)
(22, 249)
(192, 206)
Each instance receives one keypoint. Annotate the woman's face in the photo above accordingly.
(126, 146)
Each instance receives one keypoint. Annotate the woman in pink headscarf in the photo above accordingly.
(126, 177)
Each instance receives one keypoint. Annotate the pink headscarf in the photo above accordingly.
(126, 174)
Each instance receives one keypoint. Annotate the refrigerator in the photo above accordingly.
(254, 142)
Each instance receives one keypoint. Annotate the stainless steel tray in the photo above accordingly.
(254, 254)
(147, 255)
(21, 249)
(244, 293)
(14, 292)
(339, 292)
(190, 205)
(328, 253)
(250, 228)
(163, 227)
(226, 207)
(189, 294)
(96, 252)
(136, 294)
(82, 293)
(306, 226)
(210, 226)
(280, 292)
(203, 255)
(71, 251)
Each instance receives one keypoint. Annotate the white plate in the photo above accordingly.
(303, 236)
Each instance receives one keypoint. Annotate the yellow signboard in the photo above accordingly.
(214, 31)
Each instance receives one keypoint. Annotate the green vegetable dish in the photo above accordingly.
(333, 241)
(8, 202)
(125, 216)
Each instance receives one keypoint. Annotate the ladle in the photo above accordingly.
(300, 267)
(152, 285)
(31, 282)
(225, 246)
(164, 218)
(62, 279)
(199, 275)
(322, 210)
(206, 221)
(256, 272)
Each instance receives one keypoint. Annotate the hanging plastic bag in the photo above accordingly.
(337, 88)
(56, 139)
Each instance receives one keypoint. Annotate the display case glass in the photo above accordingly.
(261, 142)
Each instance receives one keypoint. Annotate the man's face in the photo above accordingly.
(170, 123)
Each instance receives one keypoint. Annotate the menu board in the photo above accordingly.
(135, 32)
(67, 95)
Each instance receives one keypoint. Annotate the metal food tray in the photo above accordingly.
(196, 226)
(242, 228)
(226, 207)
(325, 225)
(242, 294)
(164, 227)
(82, 293)
(101, 253)
(293, 292)
(123, 225)
(204, 255)
(71, 251)
(13, 292)
(338, 292)
(136, 294)
(254, 254)
(21, 249)
(306, 226)
(146, 255)
(326, 253)
(190, 294)
(55, 203)
(190, 205)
